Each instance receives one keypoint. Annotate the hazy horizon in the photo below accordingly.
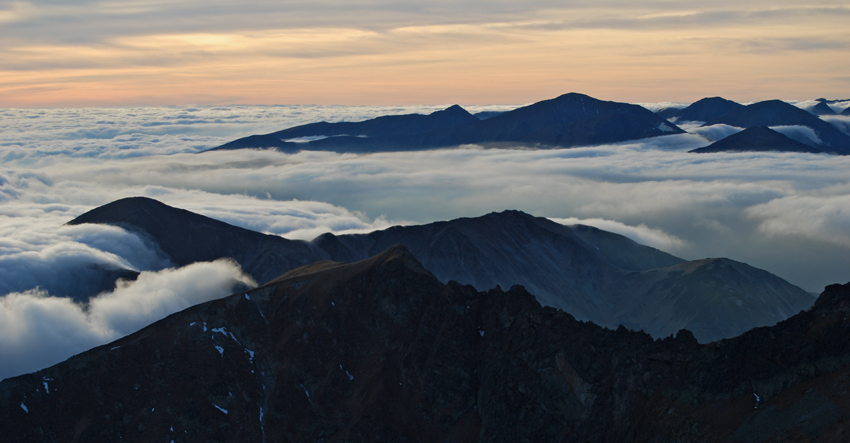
(132, 53)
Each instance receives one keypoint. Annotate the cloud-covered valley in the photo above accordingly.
(783, 212)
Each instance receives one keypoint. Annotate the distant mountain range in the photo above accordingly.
(381, 350)
(757, 117)
(590, 273)
(566, 121)
(569, 120)
(757, 138)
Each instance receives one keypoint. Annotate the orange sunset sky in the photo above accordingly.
(152, 52)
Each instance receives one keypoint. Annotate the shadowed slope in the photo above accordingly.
(757, 138)
(703, 110)
(779, 113)
(573, 268)
(380, 350)
(186, 237)
(569, 120)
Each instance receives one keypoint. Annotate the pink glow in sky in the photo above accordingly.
(150, 52)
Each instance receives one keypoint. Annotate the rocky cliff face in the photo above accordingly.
(380, 350)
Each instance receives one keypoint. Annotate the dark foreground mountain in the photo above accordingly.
(569, 120)
(380, 350)
(578, 269)
(757, 138)
(778, 113)
(703, 110)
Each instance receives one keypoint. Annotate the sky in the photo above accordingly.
(187, 52)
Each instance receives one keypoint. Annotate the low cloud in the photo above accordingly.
(802, 134)
(822, 217)
(641, 233)
(66, 261)
(38, 330)
(782, 212)
(712, 133)
(841, 122)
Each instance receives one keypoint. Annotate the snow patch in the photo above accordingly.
(247, 298)
(220, 408)
(305, 390)
(220, 350)
(24, 407)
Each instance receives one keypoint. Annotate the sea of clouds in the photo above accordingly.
(788, 213)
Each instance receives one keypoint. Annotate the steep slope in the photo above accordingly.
(779, 113)
(380, 350)
(822, 108)
(757, 138)
(573, 268)
(569, 120)
(703, 110)
(186, 237)
(713, 298)
(564, 266)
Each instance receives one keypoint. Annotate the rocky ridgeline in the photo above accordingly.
(380, 350)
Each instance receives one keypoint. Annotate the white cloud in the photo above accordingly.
(822, 216)
(777, 211)
(641, 233)
(37, 330)
(842, 122)
(802, 134)
(712, 133)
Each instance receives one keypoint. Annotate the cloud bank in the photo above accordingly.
(641, 233)
(783, 212)
(38, 330)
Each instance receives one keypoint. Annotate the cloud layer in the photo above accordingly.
(783, 212)
(38, 330)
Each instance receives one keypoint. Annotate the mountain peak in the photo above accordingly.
(328, 272)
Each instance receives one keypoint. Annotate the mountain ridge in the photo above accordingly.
(379, 350)
(568, 120)
(573, 268)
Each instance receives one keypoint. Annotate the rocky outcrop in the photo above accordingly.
(380, 350)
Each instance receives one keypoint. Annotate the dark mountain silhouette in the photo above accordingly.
(822, 108)
(484, 115)
(389, 125)
(578, 269)
(714, 297)
(566, 266)
(569, 120)
(779, 113)
(757, 138)
(380, 350)
(846, 112)
(702, 110)
(186, 237)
